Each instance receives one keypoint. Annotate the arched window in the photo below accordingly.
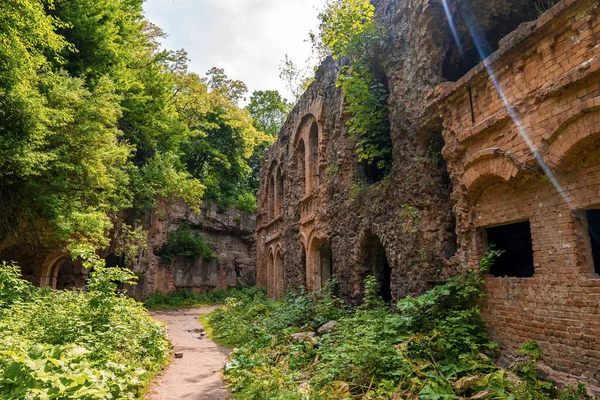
(313, 169)
(271, 198)
(302, 166)
(279, 197)
(68, 274)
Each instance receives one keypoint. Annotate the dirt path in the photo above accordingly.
(197, 375)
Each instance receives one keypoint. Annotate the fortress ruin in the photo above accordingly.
(503, 151)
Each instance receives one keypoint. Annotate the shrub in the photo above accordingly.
(76, 345)
(433, 347)
(187, 298)
(186, 243)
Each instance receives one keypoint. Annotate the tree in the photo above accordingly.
(223, 137)
(219, 83)
(296, 79)
(269, 110)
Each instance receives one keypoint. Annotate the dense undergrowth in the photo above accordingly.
(75, 345)
(188, 298)
(432, 347)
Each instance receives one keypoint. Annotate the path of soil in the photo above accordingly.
(197, 375)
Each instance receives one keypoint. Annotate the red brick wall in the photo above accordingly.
(503, 173)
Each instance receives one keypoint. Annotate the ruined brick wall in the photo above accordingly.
(538, 161)
(430, 217)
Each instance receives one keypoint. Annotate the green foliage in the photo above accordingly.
(269, 111)
(75, 345)
(431, 347)
(246, 202)
(187, 298)
(544, 5)
(410, 215)
(97, 119)
(184, 242)
(296, 79)
(348, 29)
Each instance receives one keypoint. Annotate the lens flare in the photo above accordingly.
(509, 108)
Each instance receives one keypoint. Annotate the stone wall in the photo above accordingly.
(230, 234)
(513, 139)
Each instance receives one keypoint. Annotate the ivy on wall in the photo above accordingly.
(348, 29)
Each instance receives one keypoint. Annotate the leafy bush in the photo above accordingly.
(433, 347)
(186, 243)
(187, 298)
(76, 345)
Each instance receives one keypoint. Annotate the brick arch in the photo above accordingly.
(304, 127)
(50, 271)
(307, 140)
(488, 167)
(573, 140)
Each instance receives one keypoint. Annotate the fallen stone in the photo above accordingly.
(178, 354)
(328, 327)
(303, 336)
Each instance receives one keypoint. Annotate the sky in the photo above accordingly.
(248, 38)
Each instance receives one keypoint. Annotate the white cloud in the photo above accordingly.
(248, 38)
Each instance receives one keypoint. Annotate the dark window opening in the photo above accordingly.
(375, 263)
(450, 244)
(593, 222)
(70, 275)
(302, 167)
(457, 65)
(480, 30)
(303, 265)
(378, 168)
(313, 167)
(515, 241)
(326, 263)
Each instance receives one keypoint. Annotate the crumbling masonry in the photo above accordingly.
(503, 152)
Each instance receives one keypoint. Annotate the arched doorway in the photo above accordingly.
(279, 286)
(270, 276)
(373, 261)
(67, 274)
(321, 264)
(326, 262)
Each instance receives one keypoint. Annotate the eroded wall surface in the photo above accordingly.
(475, 146)
(231, 237)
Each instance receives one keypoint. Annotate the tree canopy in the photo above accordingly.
(96, 119)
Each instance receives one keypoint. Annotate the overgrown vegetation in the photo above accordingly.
(75, 345)
(544, 5)
(431, 347)
(188, 298)
(348, 29)
(184, 242)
